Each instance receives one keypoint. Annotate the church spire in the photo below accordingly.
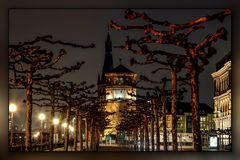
(99, 79)
(108, 60)
(108, 43)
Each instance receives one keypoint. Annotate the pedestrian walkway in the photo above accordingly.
(113, 147)
(117, 147)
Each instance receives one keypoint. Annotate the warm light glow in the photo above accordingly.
(36, 135)
(41, 116)
(71, 128)
(55, 121)
(109, 96)
(64, 125)
(12, 107)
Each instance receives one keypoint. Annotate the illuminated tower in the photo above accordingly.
(115, 86)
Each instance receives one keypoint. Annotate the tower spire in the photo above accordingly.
(108, 60)
(120, 61)
(99, 79)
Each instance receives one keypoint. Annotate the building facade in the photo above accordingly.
(116, 85)
(222, 98)
(184, 123)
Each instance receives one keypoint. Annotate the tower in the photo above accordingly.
(116, 86)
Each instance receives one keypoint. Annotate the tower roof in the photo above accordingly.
(120, 69)
(108, 60)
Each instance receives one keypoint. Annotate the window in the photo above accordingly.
(179, 125)
(202, 125)
(120, 80)
(189, 124)
(202, 119)
(109, 95)
(180, 118)
(168, 125)
(119, 94)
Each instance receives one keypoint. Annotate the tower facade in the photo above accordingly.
(117, 86)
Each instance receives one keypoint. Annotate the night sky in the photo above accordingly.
(85, 26)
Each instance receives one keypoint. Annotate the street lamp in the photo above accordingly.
(55, 122)
(12, 109)
(64, 125)
(41, 117)
(35, 136)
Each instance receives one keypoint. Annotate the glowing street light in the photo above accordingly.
(36, 135)
(71, 128)
(55, 121)
(64, 125)
(12, 109)
(41, 117)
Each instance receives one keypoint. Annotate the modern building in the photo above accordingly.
(184, 123)
(222, 99)
(116, 85)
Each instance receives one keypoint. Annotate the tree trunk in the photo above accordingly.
(164, 116)
(97, 138)
(59, 130)
(174, 110)
(91, 134)
(146, 134)
(141, 138)
(194, 103)
(152, 132)
(51, 123)
(86, 134)
(28, 112)
(156, 124)
(135, 138)
(80, 133)
(51, 129)
(66, 136)
(76, 130)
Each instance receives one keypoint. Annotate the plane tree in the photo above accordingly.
(29, 63)
(197, 54)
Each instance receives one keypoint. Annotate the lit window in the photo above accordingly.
(120, 80)
(180, 118)
(180, 125)
(109, 96)
(203, 119)
(119, 94)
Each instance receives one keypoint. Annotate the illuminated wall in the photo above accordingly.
(222, 98)
(120, 90)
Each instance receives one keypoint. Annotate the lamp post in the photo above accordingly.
(64, 125)
(55, 122)
(12, 109)
(71, 128)
(35, 136)
(41, 117)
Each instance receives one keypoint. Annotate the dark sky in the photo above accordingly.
(90, 26)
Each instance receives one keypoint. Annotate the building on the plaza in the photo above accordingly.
(184, 123)
(116, 86)
(222, 99)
